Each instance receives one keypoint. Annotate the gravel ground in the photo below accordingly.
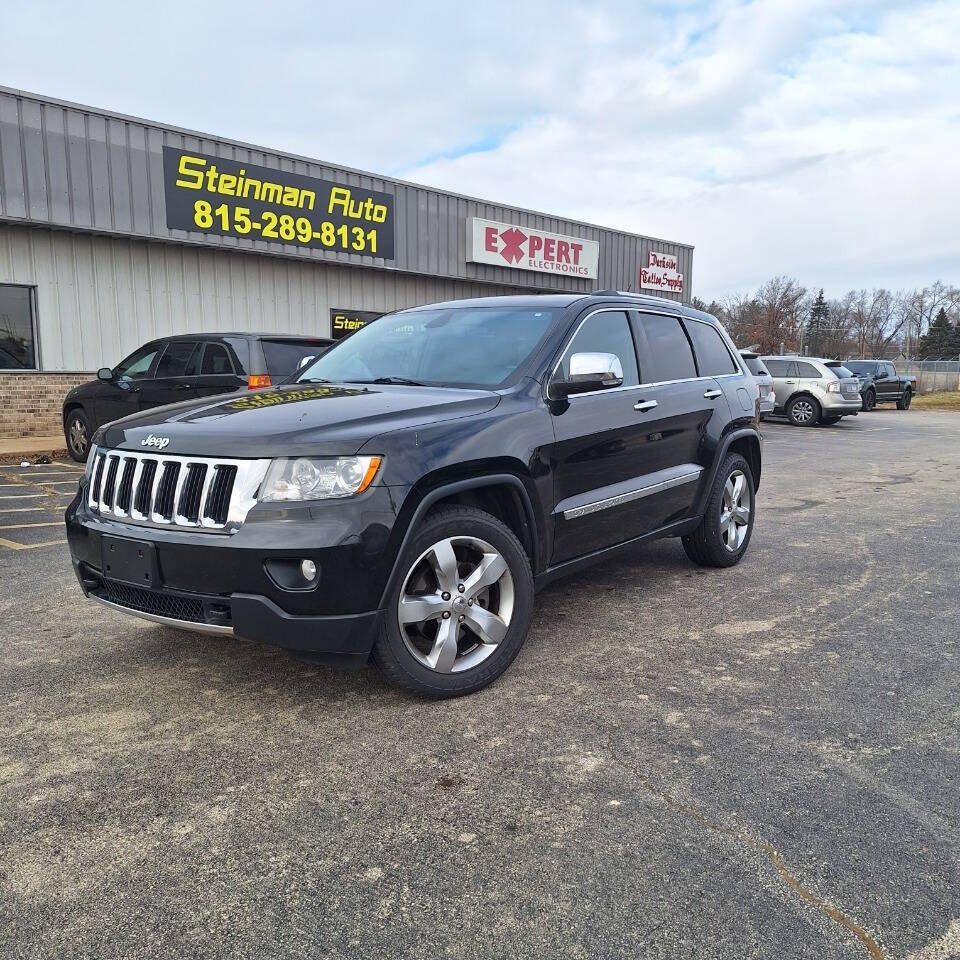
(757, 762)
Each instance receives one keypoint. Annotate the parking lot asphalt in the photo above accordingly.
(755, 762)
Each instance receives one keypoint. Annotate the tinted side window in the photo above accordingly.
(670, 355)
(216, 360)
(809, 371)
(175, 361)
(713, 357)
(285, 357)
(891, 370)
(607, 332)
(138, 364)
(777, 368)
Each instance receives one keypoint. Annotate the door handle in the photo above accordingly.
(712, 394)
(645, 405)
(185, 386)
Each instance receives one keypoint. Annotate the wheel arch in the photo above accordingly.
(745, 441)
(503, 495)
(71, 405)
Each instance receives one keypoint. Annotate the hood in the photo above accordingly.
(295, 420)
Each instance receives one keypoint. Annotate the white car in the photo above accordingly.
(768, 399)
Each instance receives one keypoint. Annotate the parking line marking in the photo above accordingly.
(53, 483)
(11, 545)
(24, 496)
(24, 526)
(40, 509)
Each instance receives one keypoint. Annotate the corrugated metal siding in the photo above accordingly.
(71, 166)
(99, 297)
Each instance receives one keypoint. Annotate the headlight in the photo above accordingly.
(318, 478)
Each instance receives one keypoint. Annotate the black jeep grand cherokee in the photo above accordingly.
(409, 492)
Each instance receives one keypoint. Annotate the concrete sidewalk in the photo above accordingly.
(30, 446)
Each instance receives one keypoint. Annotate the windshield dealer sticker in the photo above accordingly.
(213, 195)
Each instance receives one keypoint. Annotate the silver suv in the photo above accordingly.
(810, 390)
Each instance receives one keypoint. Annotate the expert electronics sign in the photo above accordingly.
(232, 199)
(661, 273)
(507, 245)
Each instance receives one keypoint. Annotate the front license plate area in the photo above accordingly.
(129, 561)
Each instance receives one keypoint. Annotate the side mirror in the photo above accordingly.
(588, 372)
(104, 373)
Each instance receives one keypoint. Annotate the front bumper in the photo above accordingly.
(226, 584)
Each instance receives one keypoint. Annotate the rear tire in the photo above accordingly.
(803, 411)
(713, 543)
(904, 402)
(435, 651)
(76, 431)
(869, 401)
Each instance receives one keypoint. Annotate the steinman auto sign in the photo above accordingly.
(661, 273)
(214, 195)
(507, 245)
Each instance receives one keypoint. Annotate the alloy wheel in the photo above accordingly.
(456, 604)
(78, 436)
(803, 411)
(735, 511)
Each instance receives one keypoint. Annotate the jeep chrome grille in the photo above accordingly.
(169, 491)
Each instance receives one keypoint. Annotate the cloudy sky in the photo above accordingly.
(818, 139)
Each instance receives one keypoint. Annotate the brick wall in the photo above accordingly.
(31, 403)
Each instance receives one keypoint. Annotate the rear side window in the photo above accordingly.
(179, 359)
(670, 357)
(286, 357)
(808, 370)
(713, 357)
(756, 367)
(606, 332)
(216, 360)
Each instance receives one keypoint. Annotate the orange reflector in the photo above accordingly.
(257, 380)
(370, 474)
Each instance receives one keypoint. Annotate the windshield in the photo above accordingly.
(860, 366)
(454, 346)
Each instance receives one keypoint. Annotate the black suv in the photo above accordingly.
(406, 495)
(181, 368)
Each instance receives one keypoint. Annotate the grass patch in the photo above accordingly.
(937, 401)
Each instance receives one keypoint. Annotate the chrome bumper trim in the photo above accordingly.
(167, 621)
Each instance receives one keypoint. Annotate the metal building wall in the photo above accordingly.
(99, 297)
(72, 166)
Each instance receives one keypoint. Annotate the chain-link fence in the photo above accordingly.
(933, 376)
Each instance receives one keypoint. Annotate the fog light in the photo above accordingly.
(308, 570)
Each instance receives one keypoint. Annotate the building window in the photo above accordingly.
(17, 339)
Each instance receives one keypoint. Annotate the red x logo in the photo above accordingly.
(512, 239)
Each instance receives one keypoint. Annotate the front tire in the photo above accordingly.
(803, 411)
(724, 533)
(904, 402)
(460, 611)
(76, 431)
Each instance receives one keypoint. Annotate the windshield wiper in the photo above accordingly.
(405, 381)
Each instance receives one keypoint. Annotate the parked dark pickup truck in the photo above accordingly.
(880, 383)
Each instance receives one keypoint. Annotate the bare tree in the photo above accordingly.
(781, 312)
(921, 306)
